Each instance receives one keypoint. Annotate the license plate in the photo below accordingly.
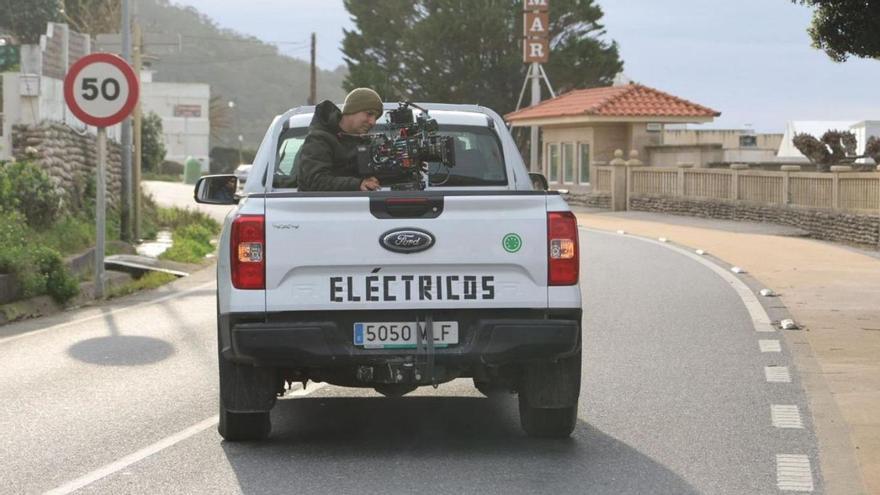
(403, 335)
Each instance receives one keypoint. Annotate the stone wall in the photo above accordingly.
(863, 230)
(591, 200)
(68, 157)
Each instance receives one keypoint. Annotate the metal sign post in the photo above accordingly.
(101, 89)
(100, 212)
(536, 51)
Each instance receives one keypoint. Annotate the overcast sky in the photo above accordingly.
(749, 59)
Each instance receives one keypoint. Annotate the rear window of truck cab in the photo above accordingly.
(479, 160)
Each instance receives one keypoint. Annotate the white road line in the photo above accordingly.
(777, 374)
(103, 315)
(786, 416)
(159, 446)
(769, 346)
(793, 473)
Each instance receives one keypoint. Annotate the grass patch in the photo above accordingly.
(191, 231)
(69, 235)
(150, 280)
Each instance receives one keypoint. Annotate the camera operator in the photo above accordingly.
(327, 160)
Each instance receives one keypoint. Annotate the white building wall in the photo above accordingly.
(30, 99)
(184, 136)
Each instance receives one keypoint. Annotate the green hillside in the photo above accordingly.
(262, 81)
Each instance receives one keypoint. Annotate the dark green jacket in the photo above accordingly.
(327, 160)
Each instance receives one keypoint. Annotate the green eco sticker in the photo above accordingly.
(512, 243)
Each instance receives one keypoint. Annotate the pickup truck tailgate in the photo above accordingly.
(325, 253)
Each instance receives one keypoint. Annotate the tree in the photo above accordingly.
(93, 16)
(219, 117)
(27, 19)
(845, 27)
(153, 147)
(470, 52)
(836, 148)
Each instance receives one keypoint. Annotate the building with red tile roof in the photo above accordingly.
(581, 129)
(628, 102)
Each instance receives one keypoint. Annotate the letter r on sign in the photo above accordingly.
(536, 50)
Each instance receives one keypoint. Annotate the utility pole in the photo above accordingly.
(534, 166)
(313, 79)
(138, 131)
(125, 217)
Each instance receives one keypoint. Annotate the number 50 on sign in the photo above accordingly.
(101, 89)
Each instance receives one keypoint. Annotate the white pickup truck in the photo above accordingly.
(476, 278)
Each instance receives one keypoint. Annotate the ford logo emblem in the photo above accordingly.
(406, 240)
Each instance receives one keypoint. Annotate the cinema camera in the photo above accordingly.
(402, 156)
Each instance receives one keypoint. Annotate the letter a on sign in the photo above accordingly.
(536, 25)
(539, 5)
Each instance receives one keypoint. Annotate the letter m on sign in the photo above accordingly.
(539, 5)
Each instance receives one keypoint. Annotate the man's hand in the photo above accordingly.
(370, 184)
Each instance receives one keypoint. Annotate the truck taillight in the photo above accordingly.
(248, 252)
(563, 261)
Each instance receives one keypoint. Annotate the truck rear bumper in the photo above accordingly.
(484, 338)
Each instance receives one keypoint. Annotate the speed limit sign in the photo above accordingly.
(101, 89)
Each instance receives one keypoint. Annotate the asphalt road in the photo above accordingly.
(674, 400)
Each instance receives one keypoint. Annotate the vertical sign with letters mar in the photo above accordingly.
(536, 31)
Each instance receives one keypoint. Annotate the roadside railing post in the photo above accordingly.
(786, 182)
(736, 167)
(682, 167)
(618, 182)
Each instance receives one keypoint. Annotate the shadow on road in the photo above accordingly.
(121, 350)
(434, 445)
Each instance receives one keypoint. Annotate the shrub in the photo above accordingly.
(39, 269)
(26, 188)
(186, 250)
(174, 218)
(68, 235)
(60, 284)
(153, 147)
(169, 167)
(196, 232)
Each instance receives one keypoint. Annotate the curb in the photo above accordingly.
(44, 305)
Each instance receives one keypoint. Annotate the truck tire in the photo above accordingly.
(548, 397)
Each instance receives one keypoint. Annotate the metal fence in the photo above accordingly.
(845, 191)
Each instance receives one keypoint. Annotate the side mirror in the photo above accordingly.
(217, 190)
(539, 182)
